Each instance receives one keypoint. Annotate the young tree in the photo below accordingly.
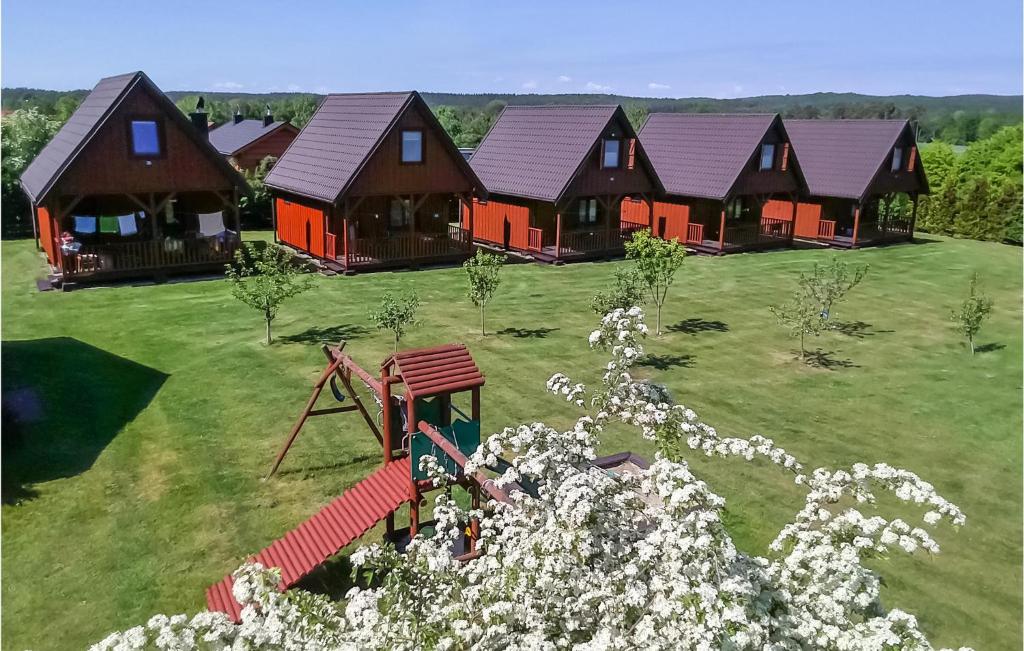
(972, 312)
(484, 273)
(829, 284)
(627, 292)
(396, 313)
(657, 261)
(264, 277)
(801, 315)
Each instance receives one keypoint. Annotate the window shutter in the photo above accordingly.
(912, 159)
(632, 154)
(785, 156)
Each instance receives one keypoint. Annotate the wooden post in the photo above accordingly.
(472, 224)
(475, 407)
(913, 215)
(238, 213)
(608, 224)
(35, 225)
(273, 218)
(721, 231)
(856, 223)
(474, 523)
(558, 234)
(385, 397)
(344, 240)
(650, 212)
(792, 224)
(414, 493)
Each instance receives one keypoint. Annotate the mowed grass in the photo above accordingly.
(159, 409)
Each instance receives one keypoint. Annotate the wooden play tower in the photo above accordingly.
(417, 415)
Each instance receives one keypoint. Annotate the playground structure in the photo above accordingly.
(414, 422)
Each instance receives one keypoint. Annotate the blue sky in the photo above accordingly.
(669, 49)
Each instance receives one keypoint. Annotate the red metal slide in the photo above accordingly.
(334, 527)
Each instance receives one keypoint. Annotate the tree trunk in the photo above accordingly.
(658, 329)
(970, 340)
(483, 327)
(802, 353)
(268, 330)
(396, 342)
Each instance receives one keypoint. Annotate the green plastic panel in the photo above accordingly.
(465, 434)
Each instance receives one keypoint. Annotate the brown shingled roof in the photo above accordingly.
(702, 154)
(840, 158)
(232, 136)
(535, 151)
(327, 155)
(45, 170)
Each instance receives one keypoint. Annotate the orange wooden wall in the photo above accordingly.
(292, 221)
(489, 222)
(808, 215)
(273, 144)
(676, 217)
(46, 234)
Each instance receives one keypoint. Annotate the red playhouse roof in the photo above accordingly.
(432, 371)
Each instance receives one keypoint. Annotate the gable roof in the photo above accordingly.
(231, 137)
(440, 369)
(536, 151)
(703, 154)
(326, 157)
(45, 170)
(842, 157)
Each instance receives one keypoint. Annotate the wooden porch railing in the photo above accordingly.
(377, 250)
(534, 239)
(695, 233)
(331, 245)
(577, 242)
(769, 229)
(127, 257)
(826, 229)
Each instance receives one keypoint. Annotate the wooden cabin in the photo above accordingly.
(556, 178)
(718, 172)
(373, 181)
(863, 181)
(130, 186)
(245, 143)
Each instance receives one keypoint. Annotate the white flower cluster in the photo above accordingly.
(588, 559)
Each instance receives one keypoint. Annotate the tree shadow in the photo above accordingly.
(989, 348)
(56, 424)
(856, 329)
(697, 325)
(666, 362)
(527, 333)
(825, 359)
(327, 334)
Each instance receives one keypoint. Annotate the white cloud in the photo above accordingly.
(529, 85)
(656, 86)
(564, 78)
(597, 88)
(228, 85)
(294, 88)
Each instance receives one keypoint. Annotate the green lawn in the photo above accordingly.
(158, 410)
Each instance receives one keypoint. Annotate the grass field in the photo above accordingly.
(156, 410)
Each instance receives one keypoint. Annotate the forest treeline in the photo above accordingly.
(957, 119)
(975, 193)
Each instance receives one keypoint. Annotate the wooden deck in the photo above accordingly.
(367, 254)
(768, 234)
(159, 258)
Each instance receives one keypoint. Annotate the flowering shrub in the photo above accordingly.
(598, 560)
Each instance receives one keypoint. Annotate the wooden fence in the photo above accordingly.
(125, 258)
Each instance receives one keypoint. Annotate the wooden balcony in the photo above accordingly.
(451, 245)
(156, 257)
(875, 232)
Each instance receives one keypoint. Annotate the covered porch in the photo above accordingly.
(735, 226)
(110, 237)
(376, 232)
(879, 220)
(584, 228)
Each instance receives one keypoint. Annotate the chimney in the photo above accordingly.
(198, 118)
(238, 116)
(268, 117)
